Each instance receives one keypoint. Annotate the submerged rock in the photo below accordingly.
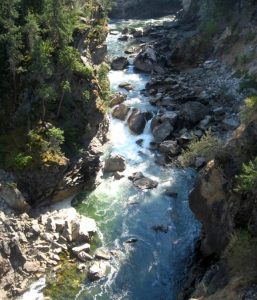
(142, 182)
(161, 228)
(115, 163)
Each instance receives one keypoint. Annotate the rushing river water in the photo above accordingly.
(153, 267)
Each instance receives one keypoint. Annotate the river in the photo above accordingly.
(153, 267)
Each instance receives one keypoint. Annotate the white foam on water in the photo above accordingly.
(35, 291)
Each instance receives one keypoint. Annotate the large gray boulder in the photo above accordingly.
(120, 112)
(142, 182)
(97, 270)
(119, 63)
(170, 147)
(117, 99)
(10, 194)
(115, 163)
(193, 112)
(162, 131)
(137, 121)
(146, 60)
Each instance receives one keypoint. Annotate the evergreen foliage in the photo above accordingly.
(41, 73)
(247, 179)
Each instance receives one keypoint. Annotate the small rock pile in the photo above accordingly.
(29, 247)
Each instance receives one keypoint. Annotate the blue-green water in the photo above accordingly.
(153, 267)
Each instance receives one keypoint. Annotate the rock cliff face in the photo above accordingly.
(134, 9)
(228, 216)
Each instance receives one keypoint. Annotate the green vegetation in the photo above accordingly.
(43, 81)
(208, 146)
(248, 82)
(247, 179)
(67, 282)
(248, 113)
(209, 29)
(241, 255)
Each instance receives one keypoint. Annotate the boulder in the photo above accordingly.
(115, 163)
(117, 99)
(120, 112)
(193, 112)
(97, 270)
(185, 138)
(146, 60)
(230, 123)
(170, 147)
(102, 253)
(119, 63)
(127, 86)
(136, 121)
(12, 196)
(78, 249)
(142, 182)
(162, 131)
(137, 32)
(83, 256)
(123, 38)
(86, 228)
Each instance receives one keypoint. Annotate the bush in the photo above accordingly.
(249, 112)
(207, 147)
(247, 179)
(19, 162)
(56, 138)
(248, 82)
(209, 29)
(104, 82)
(241, 254)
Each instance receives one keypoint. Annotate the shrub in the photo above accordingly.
(248, 113)
(56, 138)
(241, 254)
(250, 36)
(248, 82)
(247, 179)
(209, 29)
(19, 162)
(104, 81)
(207, 147)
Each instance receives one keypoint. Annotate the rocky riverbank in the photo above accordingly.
(189, 99)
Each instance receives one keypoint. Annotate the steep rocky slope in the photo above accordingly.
(224, 197)
(136, 9)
